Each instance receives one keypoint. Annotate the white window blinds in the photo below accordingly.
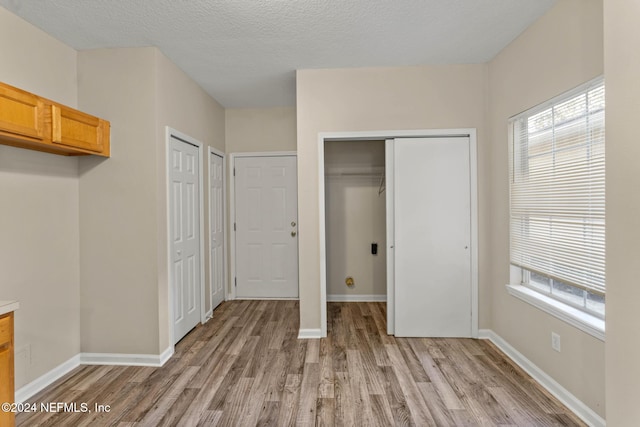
(557, 189)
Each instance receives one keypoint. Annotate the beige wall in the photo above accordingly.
(560, 51)
(260, 129)
(622, 68)
(39, 248)
(118, 211)
(123, 221)
(35, 61)
(365, 99)
(182, 105)
(355, 217)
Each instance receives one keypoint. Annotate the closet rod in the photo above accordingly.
(371, 174)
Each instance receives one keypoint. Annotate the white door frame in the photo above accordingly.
(169, 133)
(232, 207)
(225, 254)
(385, 135)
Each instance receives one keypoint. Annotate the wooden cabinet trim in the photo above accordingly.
(6, 329)
(7, 385)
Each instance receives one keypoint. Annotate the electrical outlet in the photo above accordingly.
(555, 341)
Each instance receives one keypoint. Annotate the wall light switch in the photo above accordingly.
(555, 341)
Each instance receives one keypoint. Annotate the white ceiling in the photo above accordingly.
(244, 52)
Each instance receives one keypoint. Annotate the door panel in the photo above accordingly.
(185, 232)
(216, 212)
(178, 285)
(266, 227)
(432, 224)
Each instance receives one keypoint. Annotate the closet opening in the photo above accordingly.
(355, 221)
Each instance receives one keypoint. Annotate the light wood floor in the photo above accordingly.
(246, 367)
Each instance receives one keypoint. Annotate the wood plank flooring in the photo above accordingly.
(246, 367)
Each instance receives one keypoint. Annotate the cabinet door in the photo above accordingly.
(6, 367)
(21, 114)
(6, 384)
(74, 128)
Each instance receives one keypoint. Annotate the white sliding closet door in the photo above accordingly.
(432, 228)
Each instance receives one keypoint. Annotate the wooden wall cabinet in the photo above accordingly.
(32, 122)
(7, 419)
(22, 115)
(75, 129)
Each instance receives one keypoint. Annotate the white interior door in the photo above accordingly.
(266, 222)
(216, 212)
(432, 227)
(184, 199)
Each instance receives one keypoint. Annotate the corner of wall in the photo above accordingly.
(117, 204)
(555, 54)
(181, 104)
(40, 215)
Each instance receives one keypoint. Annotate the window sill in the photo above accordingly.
(581, 320)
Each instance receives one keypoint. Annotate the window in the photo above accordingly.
(557, 189)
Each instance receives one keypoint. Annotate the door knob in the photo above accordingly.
(293, 223)
(179, 252)
(293, 234)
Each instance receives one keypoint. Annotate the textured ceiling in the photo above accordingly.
(244, 52)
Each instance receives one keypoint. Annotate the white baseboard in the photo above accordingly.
(304, 334)
(40, 383)
(562, 394)
(29, 390)
(355, 298)
(166, 355)
(155, 360)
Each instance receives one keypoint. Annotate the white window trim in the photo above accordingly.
(583, 320)
(586, 322)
